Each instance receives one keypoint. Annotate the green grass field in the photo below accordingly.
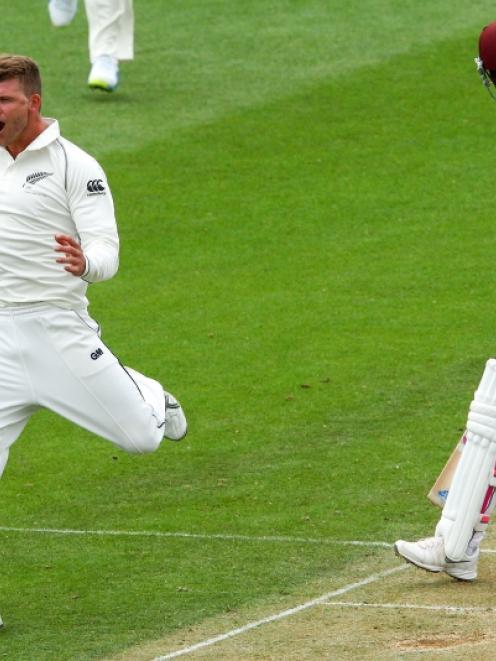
(304, 197)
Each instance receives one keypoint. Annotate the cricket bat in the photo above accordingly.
(439, 491)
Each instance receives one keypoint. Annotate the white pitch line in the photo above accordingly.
(283, 614)
(204, 536)
(451, 609)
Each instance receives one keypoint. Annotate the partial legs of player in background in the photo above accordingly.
(110, 36)
(62, 12)
(111, 40)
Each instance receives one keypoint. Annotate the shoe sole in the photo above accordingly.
(460, 579)
(176, 440)
(428, 568)
(431, 569)
(180, 438)
(176, 405)
(96, 85)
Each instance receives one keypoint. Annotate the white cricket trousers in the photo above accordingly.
(54, 358)
(110, 28)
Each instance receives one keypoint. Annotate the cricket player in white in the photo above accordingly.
(57, 234)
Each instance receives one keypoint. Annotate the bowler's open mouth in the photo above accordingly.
(2, 124)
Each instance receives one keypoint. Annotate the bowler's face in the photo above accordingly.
(14, 112)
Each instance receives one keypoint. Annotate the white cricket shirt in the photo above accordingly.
(53, 187)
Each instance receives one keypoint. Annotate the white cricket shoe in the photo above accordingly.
(175, 425)
(429, 554)
(104, 74)
(62, 11)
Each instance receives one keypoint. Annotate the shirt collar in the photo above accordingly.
(50, 134)
(46, 137)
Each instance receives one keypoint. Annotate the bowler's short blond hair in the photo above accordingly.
(23, 69)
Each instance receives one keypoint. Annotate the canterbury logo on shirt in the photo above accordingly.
(35, 177)
(95, 187)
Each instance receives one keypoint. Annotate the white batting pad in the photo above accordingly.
(474, 475)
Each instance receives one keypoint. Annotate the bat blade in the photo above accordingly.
(439, 491)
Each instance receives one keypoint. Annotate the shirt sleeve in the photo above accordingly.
(92, 210)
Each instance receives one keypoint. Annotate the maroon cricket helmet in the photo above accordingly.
(487, 50)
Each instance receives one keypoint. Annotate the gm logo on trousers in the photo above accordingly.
(96, 354)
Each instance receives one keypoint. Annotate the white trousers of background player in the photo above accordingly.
(110, 28)
(54, 358)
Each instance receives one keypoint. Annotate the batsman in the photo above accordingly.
(455, 547)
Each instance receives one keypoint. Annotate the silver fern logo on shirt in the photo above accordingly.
(34, 178)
